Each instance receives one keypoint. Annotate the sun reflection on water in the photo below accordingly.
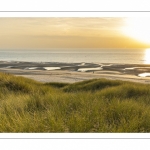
(147, 56)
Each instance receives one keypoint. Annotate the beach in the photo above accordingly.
(76, 72)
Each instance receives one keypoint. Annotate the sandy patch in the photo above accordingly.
(89, 69)
(51, 68)
(144, 75)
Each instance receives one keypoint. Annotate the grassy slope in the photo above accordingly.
(97, 105)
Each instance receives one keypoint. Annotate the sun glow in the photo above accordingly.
(147, 56)
(138, 28)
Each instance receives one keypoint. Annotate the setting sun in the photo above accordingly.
(138, 28)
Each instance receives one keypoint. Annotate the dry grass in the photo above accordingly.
(97, 105)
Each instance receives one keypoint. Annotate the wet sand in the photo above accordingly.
(75, 72)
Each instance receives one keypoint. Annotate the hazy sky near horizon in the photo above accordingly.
(22, 33)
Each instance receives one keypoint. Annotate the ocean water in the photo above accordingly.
(123, 56)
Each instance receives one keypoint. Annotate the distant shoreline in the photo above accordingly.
(75, 72)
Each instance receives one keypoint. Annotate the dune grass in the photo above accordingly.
(97, 105)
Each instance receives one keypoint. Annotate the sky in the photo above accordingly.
(37, 33)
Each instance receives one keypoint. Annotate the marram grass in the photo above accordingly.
(97, 105)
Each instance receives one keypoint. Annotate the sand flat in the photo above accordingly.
(70, 74)
(59, 76)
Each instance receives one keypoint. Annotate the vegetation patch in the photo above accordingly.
(57, 85)
(97, 105)
(91, 85)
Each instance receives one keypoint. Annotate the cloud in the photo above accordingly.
(61, 26)
(63, 32)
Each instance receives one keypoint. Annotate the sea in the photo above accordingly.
(121, 56)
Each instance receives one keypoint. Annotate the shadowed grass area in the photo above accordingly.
(57, 85)
(91, 85)
(97, 105)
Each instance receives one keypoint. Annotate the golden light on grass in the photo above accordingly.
(138, 28)
(147, 56)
